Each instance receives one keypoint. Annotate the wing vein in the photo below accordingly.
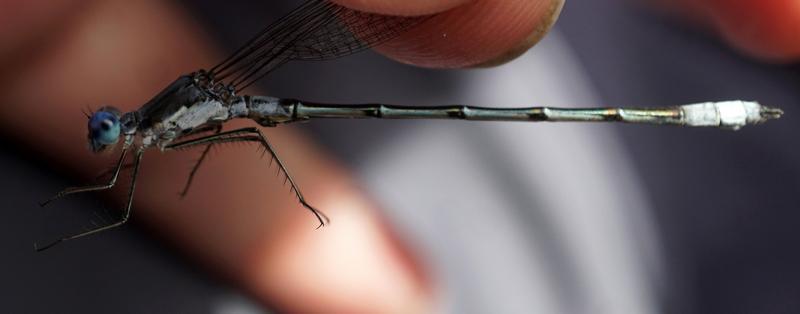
(317, 30)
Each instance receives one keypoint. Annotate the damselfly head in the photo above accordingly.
(104, 129)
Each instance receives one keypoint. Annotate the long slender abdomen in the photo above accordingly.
(729, 114)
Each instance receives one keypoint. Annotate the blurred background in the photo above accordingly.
(505, 217)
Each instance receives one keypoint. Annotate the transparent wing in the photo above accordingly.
(316, 30)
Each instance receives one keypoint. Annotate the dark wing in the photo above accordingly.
(317, 30)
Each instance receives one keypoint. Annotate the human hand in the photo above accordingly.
(769, 30)
(238, 219)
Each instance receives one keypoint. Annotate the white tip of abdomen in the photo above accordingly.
(728, 114)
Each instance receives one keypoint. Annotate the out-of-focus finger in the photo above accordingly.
(24, 23)
(767, 29)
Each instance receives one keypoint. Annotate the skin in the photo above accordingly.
(64, 55)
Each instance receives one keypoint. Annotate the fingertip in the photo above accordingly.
(548, 19)
(402, 8)
(479, 33)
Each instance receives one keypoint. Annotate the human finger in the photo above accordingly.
(466, 33)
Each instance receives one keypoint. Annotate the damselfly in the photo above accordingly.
(191, 111)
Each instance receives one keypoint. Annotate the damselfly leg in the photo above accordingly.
(112, 170)
(91, 188)
(216, 129)
(111, 183)
(253, 135)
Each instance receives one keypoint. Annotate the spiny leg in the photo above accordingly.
(298, 194)
(253, 135)
(210, 139)
(216, 129)
(126, 215)
(90, 188)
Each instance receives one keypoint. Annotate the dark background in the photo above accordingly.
(736, 255)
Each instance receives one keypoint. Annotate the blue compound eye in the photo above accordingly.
(104, 129)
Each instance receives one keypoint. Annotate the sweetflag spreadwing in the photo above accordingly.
(192, 110)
